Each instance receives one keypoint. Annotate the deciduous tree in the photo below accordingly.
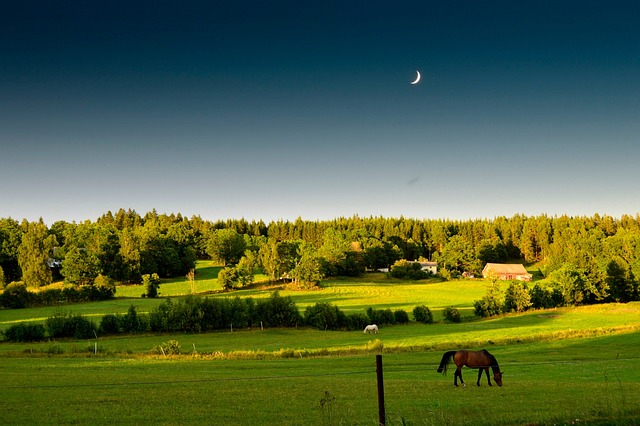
(34, 253)
(226, 246)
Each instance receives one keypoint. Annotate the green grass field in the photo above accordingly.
(576, 381)
(353, 295)
(561, 366)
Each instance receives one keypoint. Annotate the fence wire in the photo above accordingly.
(388, 370)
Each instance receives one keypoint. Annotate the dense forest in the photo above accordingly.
(595, 259)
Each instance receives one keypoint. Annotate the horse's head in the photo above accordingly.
(497, 377)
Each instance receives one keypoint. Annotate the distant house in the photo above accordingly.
(53, 262)
(431, 267)
(506, 271)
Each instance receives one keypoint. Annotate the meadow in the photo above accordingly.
(564, 366)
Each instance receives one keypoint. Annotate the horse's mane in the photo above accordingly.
(494, 362)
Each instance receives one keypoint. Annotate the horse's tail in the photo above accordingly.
(446, 359)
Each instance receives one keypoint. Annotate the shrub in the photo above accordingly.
(451, 314)
(160, 317)
(516, 298)
(68, 325)
(105, 287)
(188, 315)
(380, 316)
(82, 327)
(406, 269)
(325, 316)
(228, 278)
(357, 321)
(401, 316)
(172, 347)
(487, 307)
(16, 296)
(71, 294)
(278, 311)
(151, 284)
(56, 325)
(110, 324)
(133, 323)
(490, 304)
(25, 332)
(546, 297)
(422, 314)
(239, 312)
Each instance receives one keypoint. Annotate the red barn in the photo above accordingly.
(506, 271)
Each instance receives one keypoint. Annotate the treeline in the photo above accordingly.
(195, 314)
(591, 259)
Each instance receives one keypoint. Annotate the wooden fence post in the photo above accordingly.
(381, 414)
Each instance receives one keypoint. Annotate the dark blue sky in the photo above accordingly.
(269, 110)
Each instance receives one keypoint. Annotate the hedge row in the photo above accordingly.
(16, 295)
(195, 314)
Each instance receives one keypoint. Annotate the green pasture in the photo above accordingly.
(557, 324)
(572, 381)
(350, 295)
(573, 365)
(205, 282)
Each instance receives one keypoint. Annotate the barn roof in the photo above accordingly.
(507, 268)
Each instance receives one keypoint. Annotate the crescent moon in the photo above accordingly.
(417, 78)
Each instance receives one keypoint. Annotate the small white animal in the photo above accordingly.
(371, 328)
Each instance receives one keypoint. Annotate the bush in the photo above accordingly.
(68, 325)
(325, 316)
(82, 327)
(278, 311)
(172, 347)
(133, 323)
(490, 304)
(422, 314)
(229, 278)
(546, 297)
(380, 316)
(71, 294)
(401, 316)
(110, 324)
(105, 287)
(16, 296)
(25, 332)
(487, 307)
(516, 298)
(406, 269)
(451, 314)
(151, 284)
(357, 321)
(160, 317)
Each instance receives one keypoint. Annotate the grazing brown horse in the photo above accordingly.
(481, 360)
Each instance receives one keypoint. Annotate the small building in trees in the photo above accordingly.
(506, 271)
(430, 267)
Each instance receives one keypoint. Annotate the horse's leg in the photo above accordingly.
(480, 370)
(488, 377)
(459, 374)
